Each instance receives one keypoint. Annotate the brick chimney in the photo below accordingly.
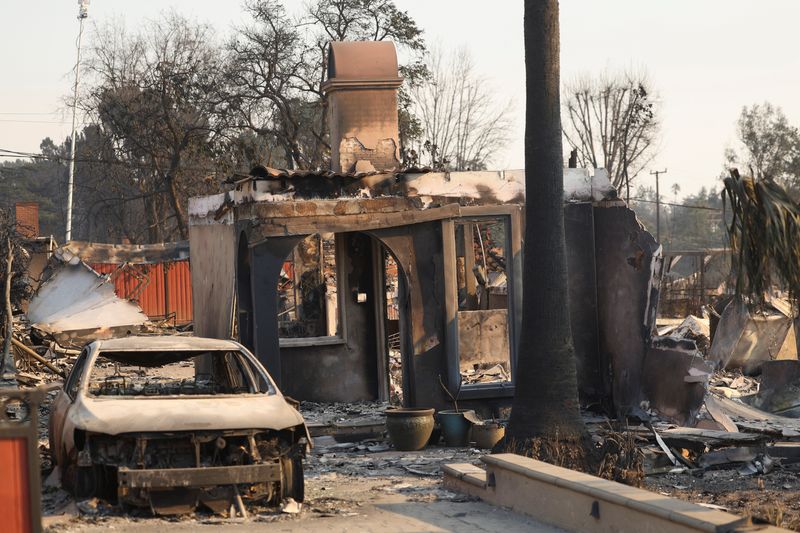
(362, 106)
(27, 218)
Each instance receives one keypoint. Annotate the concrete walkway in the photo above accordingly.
(389, 516)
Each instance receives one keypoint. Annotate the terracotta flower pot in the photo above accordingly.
(409, 428)
(488, 434)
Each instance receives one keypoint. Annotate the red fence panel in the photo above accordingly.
(161, 289)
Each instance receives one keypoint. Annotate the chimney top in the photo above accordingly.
(362, 105)
(363, 61)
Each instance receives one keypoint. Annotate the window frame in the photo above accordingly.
(341, 291)
(76, 376)
(512, 215)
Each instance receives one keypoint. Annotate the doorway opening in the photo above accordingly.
(391, 324)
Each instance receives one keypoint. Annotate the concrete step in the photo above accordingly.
(575, 501)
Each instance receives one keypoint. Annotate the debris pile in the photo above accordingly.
(395, 376)
(692, 328)
(484, 373)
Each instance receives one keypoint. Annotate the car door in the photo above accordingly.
(62, 403)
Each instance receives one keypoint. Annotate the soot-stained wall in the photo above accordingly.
(624, 254)
(341, 372)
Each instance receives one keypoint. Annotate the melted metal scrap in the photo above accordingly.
(77, 303)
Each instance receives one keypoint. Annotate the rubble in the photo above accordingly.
(694, 328)
(745, 339)
(779, 392)
(478, 374)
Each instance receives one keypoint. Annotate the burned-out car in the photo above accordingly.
(172, 422)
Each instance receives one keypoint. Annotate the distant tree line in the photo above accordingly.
(172, 109)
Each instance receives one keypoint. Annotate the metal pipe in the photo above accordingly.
(658, 204)
(73, 141)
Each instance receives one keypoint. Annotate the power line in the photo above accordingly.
(23, 121)
(27, 113)
(677, 205)
(59, 159)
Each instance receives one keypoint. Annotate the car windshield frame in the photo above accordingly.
(251, 366)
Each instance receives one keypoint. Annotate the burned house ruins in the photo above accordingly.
(323, 274)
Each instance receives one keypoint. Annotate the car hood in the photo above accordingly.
(114, 416)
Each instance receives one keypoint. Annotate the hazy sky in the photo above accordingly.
(706, 60)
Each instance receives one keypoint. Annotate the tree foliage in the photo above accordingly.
(613, 122)
(157, 99)
(43, 181)
(171, 109)
(765, 236)
(769, 146)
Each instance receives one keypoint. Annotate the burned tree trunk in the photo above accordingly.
(546, 399)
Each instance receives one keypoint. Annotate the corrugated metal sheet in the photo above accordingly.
(160, 289)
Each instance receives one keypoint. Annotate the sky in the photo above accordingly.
(706, 59)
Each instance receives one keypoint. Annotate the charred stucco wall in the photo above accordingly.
(418, 251)
(624, 254)
(347, 371)
(344, 371)
(213, 278)
(579, 234)
(664, 382)
(482, 337)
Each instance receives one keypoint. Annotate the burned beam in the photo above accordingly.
(285, 226)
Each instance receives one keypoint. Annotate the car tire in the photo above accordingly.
(292, 481)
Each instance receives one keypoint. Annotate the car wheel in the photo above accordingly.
(292, 482)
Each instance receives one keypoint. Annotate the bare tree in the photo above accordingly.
(159, 101)
(613, 123)
(463, 126)
(14, 281)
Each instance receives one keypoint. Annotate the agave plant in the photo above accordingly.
(764, 233)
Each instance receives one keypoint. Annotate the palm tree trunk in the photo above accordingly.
(546, 399)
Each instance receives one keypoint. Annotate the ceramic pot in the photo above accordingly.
(409, 428)
(455, 427)
(488, 434)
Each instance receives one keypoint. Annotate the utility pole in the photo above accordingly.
(83, 12)
(658, 204)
